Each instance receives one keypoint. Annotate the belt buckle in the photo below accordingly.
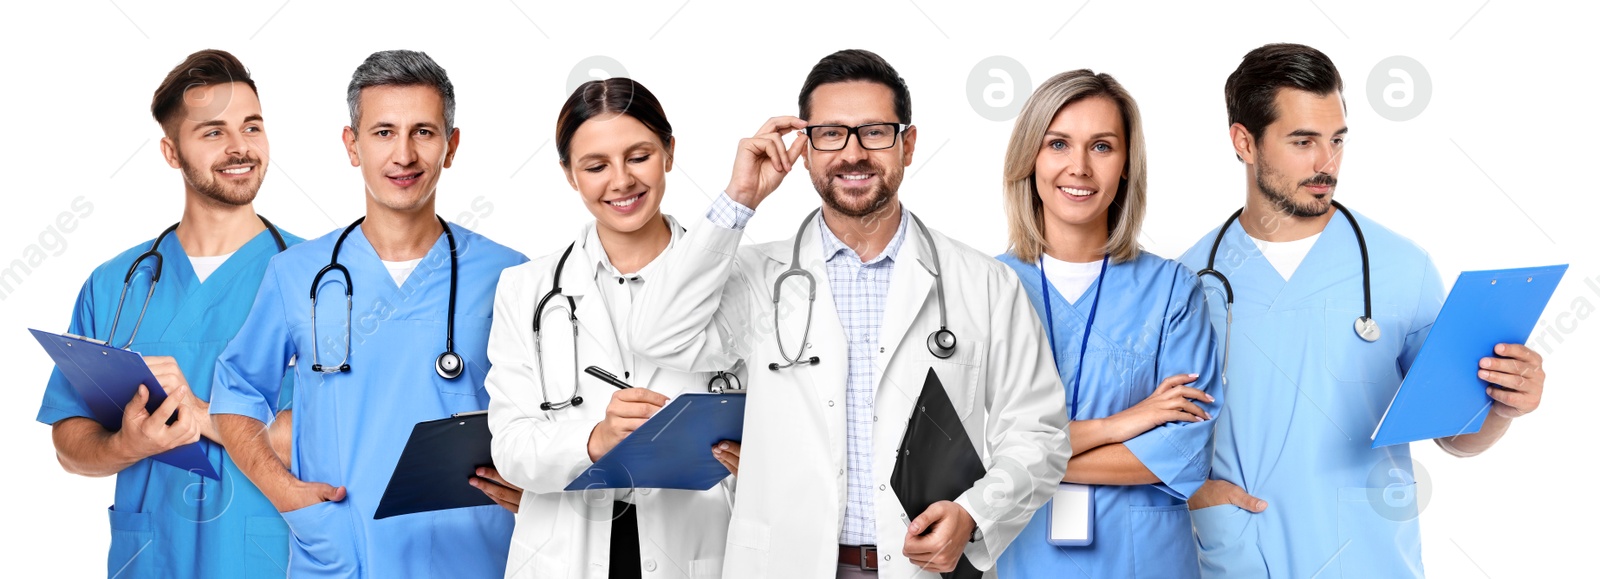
(869, 554)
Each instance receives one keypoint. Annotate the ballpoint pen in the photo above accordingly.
(607, 377)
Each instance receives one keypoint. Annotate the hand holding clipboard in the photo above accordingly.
(122, 392)
(1441, 396)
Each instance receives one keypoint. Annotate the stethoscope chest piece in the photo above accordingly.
(725, 382)
(448, 365)
(942, 343)
(1367, 328)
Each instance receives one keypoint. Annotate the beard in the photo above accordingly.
(1285, 202)
(208, 184)
(861, 204)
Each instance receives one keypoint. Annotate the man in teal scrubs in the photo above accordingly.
(1297, 489)
(167, 522)
(413, 282)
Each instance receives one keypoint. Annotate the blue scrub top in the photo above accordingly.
(350, 428)
(1305, 394)
(1151, 324)
(165, 521)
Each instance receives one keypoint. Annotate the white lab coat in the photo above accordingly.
(567, 535)
(792, 479)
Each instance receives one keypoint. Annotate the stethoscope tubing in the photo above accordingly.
(729, 381)
(448, 365)
(1364, 324)
(941, 343)
(155, 277)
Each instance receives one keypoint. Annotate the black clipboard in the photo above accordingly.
(438, 460)
(936, 461)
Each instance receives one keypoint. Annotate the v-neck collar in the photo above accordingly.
(263, 241)
(178, 269)
(1254, 275)
(195, 296)
(358, 248)
(1079, 308)
(1085, 299)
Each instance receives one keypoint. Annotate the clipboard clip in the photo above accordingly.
(87, 339)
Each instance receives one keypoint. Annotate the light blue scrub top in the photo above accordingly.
(349, 428)
(1151, 324)
(1305, 394)
(167, 522)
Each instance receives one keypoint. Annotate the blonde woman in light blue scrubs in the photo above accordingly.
(1128, 332)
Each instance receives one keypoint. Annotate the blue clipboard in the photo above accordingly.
(107, 378)
(671, 450)
(1442, 394)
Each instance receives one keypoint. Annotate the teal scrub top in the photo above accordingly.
(349, 428)
(165, 521)
(1305, 394)
(1151, 323)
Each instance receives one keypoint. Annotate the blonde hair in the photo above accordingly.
(1024, 209)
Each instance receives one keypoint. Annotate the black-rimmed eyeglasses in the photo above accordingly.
(871, 136)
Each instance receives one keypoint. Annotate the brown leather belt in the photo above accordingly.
(864, 557)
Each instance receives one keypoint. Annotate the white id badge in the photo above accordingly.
(1071, 516)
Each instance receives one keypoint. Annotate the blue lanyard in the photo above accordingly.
(1050, 324)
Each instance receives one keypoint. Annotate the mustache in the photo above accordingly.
(1320, 180)
(247, 159)
(862, 166)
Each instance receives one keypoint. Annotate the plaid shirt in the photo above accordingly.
(860, 295)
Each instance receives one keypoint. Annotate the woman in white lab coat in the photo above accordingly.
(615, 146)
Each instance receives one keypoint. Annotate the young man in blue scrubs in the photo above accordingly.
(1296, 488)
(165, 521)
(362, 384)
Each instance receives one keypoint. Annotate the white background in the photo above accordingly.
(1497, 171)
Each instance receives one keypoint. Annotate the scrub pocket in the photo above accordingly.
(1373, 542)
(134, 552)
(324, 541)
(1163, 547)
(1227, 547)
(748, 542)
(266, 548)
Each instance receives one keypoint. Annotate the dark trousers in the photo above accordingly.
(624, 542)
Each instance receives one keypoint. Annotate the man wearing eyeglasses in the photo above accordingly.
(858, 329)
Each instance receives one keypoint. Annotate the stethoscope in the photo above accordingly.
(1050, 324)
(155, 277)
(719, 383)
(1366, 327)
(941, 343)
(448, 364)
